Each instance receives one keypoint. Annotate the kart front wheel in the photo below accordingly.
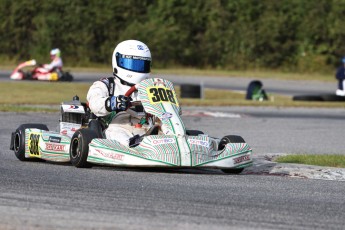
(231, 139)
(18, 139)
(194, 132)
(79, 148)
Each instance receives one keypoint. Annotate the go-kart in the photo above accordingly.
(39, 73)
(166, 143)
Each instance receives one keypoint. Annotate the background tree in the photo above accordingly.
(292, 35)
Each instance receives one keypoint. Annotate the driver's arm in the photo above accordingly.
(96, 97)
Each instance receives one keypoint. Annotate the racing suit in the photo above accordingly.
(121, 125)
(340, 76)
(55, 64)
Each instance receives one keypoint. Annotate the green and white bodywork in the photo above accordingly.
(172, 147)
(36, 141)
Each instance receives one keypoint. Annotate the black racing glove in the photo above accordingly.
(117, 103)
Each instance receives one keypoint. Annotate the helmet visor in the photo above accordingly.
(134, 63)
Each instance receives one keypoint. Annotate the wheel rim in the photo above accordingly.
(75, 148)
(17, 142)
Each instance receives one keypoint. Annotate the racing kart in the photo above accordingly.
(166, 143)
(38, 73)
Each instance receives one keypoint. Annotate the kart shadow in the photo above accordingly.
(163, 170)
(202, 171)
(50, 162)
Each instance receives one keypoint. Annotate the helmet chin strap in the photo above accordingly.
(122, 81)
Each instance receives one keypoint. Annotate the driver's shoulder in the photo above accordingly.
(106, 81)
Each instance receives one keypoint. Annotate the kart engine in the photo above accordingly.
(73, 116)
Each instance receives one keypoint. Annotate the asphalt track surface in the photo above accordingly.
(41, 195)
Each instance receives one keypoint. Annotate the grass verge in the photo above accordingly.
(30, 96)
(261, 74)
(319, 160)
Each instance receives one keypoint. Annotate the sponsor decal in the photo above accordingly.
(199, 142)
(73, 109)
(163, 141)
(111, 86)
(166, 116)
(135, 57)
(240, 159)
(55, 147)
(159, 82)
(115, 156)
(140, 47)
(54, 139)
(64, 132)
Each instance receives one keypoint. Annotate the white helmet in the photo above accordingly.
(55, 52)
(131, 61)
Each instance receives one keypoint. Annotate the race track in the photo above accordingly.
(285, 87)
(40, 195)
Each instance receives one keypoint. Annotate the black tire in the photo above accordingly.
(79, 148)
(307, 98)
(190, 91)
(194, 132)
(68, 76)
(18, 139)
(332, 97)
(231, 139)
(255, 89)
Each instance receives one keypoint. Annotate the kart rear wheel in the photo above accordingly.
(66, 76)
(79, 148)
(18, 139)
(231, 139)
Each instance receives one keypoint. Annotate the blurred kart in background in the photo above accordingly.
(39, 73)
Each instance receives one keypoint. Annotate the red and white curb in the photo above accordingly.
(210, 114)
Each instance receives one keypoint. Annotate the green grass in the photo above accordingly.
(320, 160)
(25, 96)
(261, 74)
(36, 92)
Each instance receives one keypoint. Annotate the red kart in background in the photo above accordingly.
(39, 73)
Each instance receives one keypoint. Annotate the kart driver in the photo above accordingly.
(55, 65)
(340, 76)
(56, 61)
(131, 62)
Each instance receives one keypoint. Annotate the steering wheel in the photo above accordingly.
(129, 93)
(131, 90)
